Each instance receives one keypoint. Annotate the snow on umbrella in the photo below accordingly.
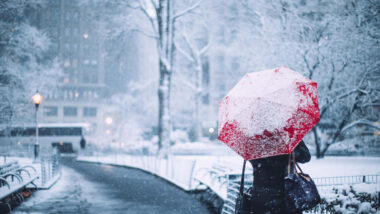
(268, 113)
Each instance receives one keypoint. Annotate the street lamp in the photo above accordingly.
(37, 100)
(109, 121)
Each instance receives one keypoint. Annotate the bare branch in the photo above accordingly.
(164, 60)
(360, 122)
(363, 91)
(154, 36)
(345, 95)
(329, 103)
(183, 52)
(207, 46)
(151, 20)
(369, 105)
(154, 4)
(129, 5)
(187, 10)
(188, 84)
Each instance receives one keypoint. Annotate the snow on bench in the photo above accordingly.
(14, 178)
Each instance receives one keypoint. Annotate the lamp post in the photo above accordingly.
(37, 100)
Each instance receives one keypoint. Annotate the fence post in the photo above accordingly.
(191, 173)
(363, 178)
(49, 168)
(43, 172)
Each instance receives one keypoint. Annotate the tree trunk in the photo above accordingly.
(164, 123)
(198, 103)
(166, 52)
(317, 141)
(342, 123)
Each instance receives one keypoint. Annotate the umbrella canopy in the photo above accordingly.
(268, 113)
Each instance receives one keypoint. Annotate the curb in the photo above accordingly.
(143, 170)
(51, 183)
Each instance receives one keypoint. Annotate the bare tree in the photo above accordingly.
(333, 44)
(162, 16)
(24, 67)
(195, 51)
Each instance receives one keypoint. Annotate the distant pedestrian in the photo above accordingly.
(82, 143)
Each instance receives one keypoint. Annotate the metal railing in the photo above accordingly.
(50, 168)
(350, 180)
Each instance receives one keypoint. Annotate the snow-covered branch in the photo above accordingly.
(164, 60)
(361, 122)
(187, 10)
(147, 34)
(186, 83)
(144, 10)
(184, 53)
(205, 48)
(154, 4)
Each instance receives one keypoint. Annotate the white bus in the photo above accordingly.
(64, 136)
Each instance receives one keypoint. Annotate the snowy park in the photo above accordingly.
(190, 106)
(197, 172)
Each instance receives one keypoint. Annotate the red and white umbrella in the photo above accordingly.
(268, 113)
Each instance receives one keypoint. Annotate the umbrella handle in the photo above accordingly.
(290, 156)
(242, 179)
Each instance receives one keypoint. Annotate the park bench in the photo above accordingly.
(14, 179)
(215, 173)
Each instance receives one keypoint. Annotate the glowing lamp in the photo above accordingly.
(37, 98)
(109, 120)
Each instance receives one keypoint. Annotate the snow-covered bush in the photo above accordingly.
(178, 136)
(361, 199)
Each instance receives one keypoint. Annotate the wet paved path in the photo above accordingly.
(95, 188)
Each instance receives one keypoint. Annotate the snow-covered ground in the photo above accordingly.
(72, 194)
(342, 166)
(185, 170)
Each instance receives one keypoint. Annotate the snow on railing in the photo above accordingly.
(216, 177)
(50, 169)
(350, 180)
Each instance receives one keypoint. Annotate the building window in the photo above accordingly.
(70, 111)
(89, 112)
(67, 31)
(50, 111)
(235, 64)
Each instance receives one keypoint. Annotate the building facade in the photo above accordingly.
(74, 31)
(95, 67)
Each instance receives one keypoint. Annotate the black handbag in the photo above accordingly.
(300, 190)
(243, 199)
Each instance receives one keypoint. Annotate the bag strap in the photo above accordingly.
(242, 179)
(295, 164)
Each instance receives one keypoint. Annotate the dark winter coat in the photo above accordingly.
(82, 143)
(268, 181)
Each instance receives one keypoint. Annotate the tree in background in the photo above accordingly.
(193, 43)
(333, 43)
(155, 19)
(134, 116)
(24, 67)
